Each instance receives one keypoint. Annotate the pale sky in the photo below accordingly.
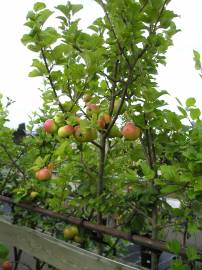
(179, 77)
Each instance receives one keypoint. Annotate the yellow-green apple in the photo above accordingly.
(85, 134)
(117, 103)
(92, 108)
(43, 174)
(130, 131)
(7, 265)
(59, 118)
(50, 126)
(34, 194)
(78, 239)
(65, 131)
(115, 132)
(70, 232)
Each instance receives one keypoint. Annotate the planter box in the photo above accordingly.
(57, 253)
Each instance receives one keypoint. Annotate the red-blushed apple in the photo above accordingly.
(7, 265)
(43, 174)
(85, 135)
(115, 132)
(87, 98)
(101, 122)
(65, 131)
(92, 109)
(50, 126)
(107, 118)
(130, 131)
(70, 232)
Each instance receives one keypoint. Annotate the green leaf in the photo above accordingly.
(169, 189)
(147, 171)
(39, 6)
(48, 36)
(157, 4)
(190, 102)
(76, 8)
(4, 252)
(169, 172)
(192, 253)
(197, 60)
(195, 113)
(178, 265)
(174, 246)
(35, 73)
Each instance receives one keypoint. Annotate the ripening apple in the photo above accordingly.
(65, 131)
(116, 106)
(59, 118)
(85, 135)
(43, 174)
(92, 108)
(107, 118)
(50, 126)
(130, 131)
(70, 232)
(7, 265)
(115, 132)
(34, 194)
(101, 122)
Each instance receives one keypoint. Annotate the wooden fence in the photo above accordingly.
(57, 253)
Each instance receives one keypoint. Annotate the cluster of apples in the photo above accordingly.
(72, 233)
(7, 265)
(88, 134)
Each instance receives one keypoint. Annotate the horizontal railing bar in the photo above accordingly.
(137, 239)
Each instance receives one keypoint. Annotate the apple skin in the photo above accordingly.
(70, 232)
(59, 118)
(50, 126)
(34, 194)
(85, 135)
(43, 174)
(65, 131)
(116, 106)
(92, 108)
(107, 118)
(7, 265)
(101, 123)
(115, 132)
(130, 131)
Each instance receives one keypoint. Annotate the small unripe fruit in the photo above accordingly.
(43, 174)
(130, 131)
(50, 126)
(59, 118)
(70, 232)
(65, 131)
(34, 194)
(116, 106)
(92, 109)
(85, 135)
(7, 265)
